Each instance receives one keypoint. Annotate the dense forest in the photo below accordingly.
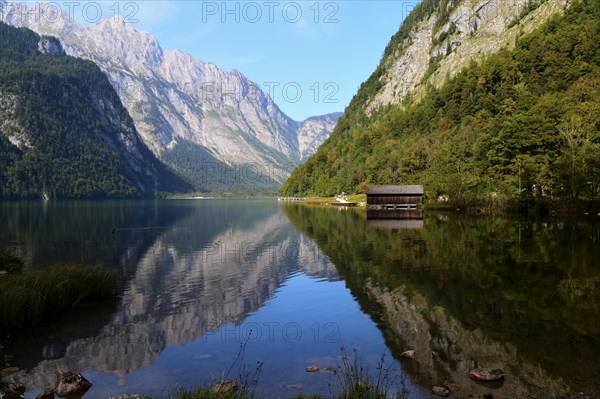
(524, 123)
(64, 132)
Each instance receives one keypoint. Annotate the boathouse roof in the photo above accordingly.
(394, 190)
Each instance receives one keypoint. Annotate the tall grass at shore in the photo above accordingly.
(29, 298)
(358, 381)
(355, 380)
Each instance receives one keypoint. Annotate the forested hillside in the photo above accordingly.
(63, 130)
(522, 123)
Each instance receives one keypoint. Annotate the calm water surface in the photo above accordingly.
(199, 278)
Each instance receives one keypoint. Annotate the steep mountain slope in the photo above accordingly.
(522, 123)
(191, 114)
(314, 131)
(441, 37)
(63, 130)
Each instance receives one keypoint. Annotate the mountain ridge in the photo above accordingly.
(63, 130)
(174, 97)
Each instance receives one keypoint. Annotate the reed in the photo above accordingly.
(357, 380)
(29, 298)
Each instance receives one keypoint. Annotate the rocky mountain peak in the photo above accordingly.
(122, 41)
(42, 16)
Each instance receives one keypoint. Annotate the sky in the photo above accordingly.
(310, 56)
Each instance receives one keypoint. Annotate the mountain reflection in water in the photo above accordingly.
(201, 270)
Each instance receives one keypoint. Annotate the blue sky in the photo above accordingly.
(311, 56)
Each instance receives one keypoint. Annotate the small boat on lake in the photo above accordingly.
(342, 200)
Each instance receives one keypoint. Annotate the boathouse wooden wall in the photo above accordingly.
(394, 196)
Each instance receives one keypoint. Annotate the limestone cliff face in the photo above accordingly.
(456, 34)
(176, 99)
(15, 133)
(50, 46)
(314, 131)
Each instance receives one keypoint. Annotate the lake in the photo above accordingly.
(296, 285)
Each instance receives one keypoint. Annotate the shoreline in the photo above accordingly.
(542, 207)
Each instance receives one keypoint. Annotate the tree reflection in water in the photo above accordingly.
(465, 292)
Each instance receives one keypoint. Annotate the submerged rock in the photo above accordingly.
(441, 391)
(312, 369)
(486, 374)
(71, 385)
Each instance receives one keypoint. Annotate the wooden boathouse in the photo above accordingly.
(394, 197)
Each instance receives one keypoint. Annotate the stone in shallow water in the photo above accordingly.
(71, 385)
(312, 369)
(486, 374)
(441, 391)
(13, 390)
